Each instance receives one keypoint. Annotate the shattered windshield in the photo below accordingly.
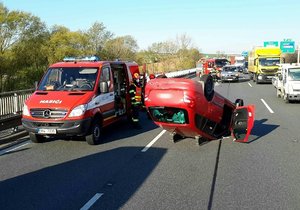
(69, 79)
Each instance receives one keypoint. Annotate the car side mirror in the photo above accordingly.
(103, 87)
(280, 76)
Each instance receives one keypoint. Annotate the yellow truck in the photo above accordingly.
(263, 63)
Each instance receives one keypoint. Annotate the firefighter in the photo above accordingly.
(135, 99)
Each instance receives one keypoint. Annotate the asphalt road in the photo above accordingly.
(122, 173)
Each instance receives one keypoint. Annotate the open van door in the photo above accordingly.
(242, 123)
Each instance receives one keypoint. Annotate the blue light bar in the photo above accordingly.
(69, 59)
(91, 58)
(86, 58)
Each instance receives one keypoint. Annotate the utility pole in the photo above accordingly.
(298, 55)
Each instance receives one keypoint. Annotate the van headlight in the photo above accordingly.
(78, 111)
(26, 110)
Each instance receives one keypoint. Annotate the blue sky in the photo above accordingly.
(231, 26)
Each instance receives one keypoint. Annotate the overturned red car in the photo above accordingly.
(189, 108)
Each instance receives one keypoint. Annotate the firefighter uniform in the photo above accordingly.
(135, 99)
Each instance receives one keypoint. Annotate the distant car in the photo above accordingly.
(230, 73)
(189, 108)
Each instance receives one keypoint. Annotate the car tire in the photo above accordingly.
(95, 134)
(208, 86)
(36, 138)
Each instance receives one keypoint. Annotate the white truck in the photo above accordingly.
(239, 61)
(287, 82)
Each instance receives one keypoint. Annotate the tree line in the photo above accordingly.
(28, 47)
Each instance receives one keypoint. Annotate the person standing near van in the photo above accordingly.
(135, 100)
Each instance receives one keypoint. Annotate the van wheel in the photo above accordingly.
(239, 102)
(35, 138)
(208, 86)
(94, 137)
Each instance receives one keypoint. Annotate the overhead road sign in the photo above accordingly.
(287, 46)
(271, 44)
(245, 53)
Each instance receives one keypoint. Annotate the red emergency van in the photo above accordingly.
(78, 97)
(189, 108)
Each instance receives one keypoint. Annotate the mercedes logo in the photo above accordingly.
(47, 113)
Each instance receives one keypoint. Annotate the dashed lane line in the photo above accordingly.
(92, 201)
(268, 107)
(153, 141)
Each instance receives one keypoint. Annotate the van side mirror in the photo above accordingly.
(36, 84)
(280, 76)
(103, 87)
(255, 62)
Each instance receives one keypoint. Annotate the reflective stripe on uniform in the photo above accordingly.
(136, 103)
(135, 120)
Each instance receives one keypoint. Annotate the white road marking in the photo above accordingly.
(270, 110)
(249, 84)
(91, 201)
(13, 149)
(153, 141)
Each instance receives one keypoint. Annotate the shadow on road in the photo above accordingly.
(117, 174)
(124, 130)
(117, 131)
(261, 129)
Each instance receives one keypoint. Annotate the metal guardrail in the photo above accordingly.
(11, 105)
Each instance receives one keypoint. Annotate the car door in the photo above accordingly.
(242, 122)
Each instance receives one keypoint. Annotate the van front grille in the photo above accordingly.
(48, 113)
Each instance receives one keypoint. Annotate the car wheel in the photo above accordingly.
(35, 138)
(208, 86)
(95, 134)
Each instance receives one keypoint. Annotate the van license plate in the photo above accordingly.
(46, 131)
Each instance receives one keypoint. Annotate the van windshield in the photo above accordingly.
(69, 79)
